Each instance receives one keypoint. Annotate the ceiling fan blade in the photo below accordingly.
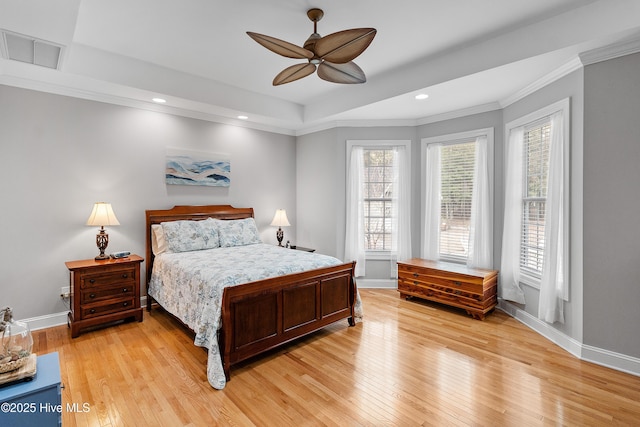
(348, 73)
(293, 73)
(344, 46)
(281, 47)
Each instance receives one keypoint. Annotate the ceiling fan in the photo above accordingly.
(332, 55)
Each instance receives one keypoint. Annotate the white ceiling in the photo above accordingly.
(468, 55)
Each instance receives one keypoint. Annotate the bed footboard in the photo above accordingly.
(262, 315)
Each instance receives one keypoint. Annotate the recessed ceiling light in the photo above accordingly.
(422, 96)
(243, 117)
(159, 100)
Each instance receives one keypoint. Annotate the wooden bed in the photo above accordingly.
(262, 315)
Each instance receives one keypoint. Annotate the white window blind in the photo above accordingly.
(536, 171)
(378, 198)
(457, 165)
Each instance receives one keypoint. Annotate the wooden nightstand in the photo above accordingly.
(104, 291)
(301, 248)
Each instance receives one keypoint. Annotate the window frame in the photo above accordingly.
(378, 145)
(449, 139)
(528, 121)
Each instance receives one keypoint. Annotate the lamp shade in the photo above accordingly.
(280, 219)
(102, 214)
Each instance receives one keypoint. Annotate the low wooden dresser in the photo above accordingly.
(472, 289)
(103, 291)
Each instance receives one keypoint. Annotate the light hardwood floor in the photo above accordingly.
(408, 363)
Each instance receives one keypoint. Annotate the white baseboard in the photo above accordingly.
(47, 321)
(599, 356)
(377, 283)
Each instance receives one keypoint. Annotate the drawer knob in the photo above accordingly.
(416, 283)
(92, 295)
(93, 310)
(124, 304)
(92, 280)
(125, 290)
(125, 275)
(415, 274)
(457, 283)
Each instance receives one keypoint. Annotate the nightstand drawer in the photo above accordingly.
(108, 279)
(101, 293)
(94, 310)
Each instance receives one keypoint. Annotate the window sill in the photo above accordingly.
(530, 281)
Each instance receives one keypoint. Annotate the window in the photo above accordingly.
(536, 140)
(535, 238)
(457, 197)
(456, 187)
(378, 220)
(378, 198)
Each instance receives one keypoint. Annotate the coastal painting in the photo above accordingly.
(196, 168)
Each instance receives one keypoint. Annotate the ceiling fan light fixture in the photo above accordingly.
(333, 53)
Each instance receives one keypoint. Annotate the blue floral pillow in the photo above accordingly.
(186, 236)
(237, 232)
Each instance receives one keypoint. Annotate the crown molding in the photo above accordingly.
(58, 88)
(356, 123)
(478, 109)
(624, 47)
(568, 68)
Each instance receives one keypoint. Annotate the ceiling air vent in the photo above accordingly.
(30, 50)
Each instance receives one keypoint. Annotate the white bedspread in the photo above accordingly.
(190, 285)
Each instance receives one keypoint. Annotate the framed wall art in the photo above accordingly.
(186, 167)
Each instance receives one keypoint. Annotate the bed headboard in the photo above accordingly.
(177, 213)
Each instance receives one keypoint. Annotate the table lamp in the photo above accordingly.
(280, 220)
(101, 215)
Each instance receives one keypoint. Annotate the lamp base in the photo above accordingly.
(279, 236)
(102, 241)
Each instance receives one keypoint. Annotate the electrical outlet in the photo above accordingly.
(65, 292)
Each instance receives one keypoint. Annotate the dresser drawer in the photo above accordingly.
(108, 279)
(95, 310)
(100, 293)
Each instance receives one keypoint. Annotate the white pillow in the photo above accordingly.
(186, 236)
(158, 242)
(237, 232)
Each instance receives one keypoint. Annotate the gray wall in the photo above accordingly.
(61, 154)
(612, 205)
